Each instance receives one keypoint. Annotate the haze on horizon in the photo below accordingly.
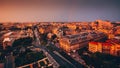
(59, 10)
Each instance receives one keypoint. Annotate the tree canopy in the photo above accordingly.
(22, 41)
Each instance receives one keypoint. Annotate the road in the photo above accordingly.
(56, 57)
(9, 61)
(66, 56)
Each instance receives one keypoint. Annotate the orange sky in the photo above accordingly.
(59, 11)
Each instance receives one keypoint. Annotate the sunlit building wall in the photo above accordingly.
(109, 47)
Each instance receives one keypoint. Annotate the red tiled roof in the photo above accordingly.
(106, 44)
(96, 43)
(113, 41)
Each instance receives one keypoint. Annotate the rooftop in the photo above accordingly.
(96, 43)
(116, 41)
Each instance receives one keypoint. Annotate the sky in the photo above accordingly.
(59, 10)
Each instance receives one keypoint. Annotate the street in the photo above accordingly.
(63, 62)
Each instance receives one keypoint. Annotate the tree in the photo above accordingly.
(53, 37)
(100, 60)
(44, 37)
(77, 29)
(8, 49)
(2, 58)
(22, 42)
(28, 57)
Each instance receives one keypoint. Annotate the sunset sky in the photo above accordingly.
(59, 10)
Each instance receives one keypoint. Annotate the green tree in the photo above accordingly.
(22, 42)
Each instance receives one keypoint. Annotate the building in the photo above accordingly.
(10, 37)
(7, 42)
(94, 47)
(77, 41)
(107, 48)
(71, 26)
(43, 63)
(111, 46)
(110, 36)
(116, 46)
(41, 30)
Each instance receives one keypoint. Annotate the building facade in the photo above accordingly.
(74, 42)
(109, 47)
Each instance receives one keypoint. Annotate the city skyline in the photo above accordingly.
(59, 34)
(60, 45)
